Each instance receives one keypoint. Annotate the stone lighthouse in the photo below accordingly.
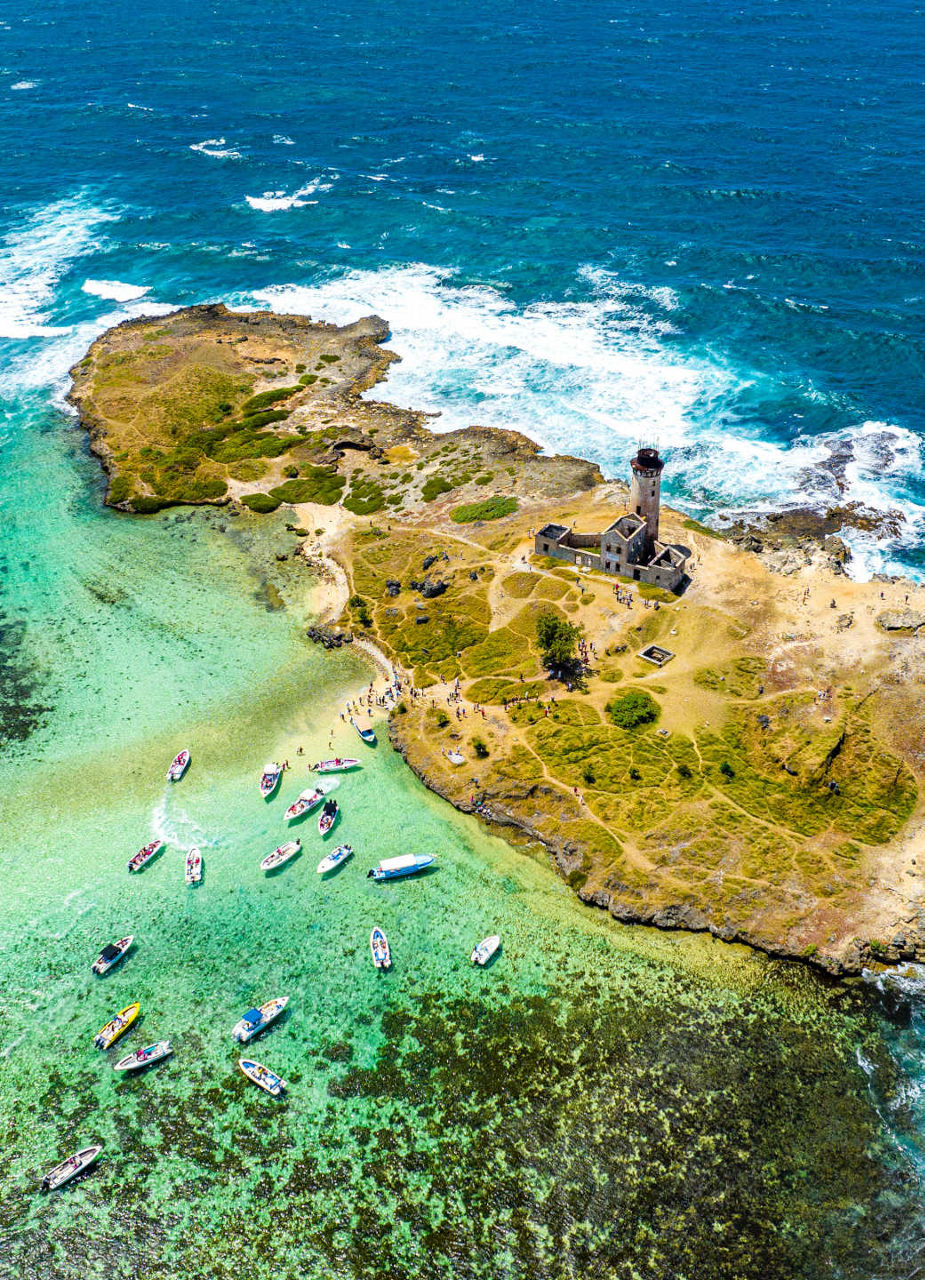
(645, 490)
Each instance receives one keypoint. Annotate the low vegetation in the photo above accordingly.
(491, 509)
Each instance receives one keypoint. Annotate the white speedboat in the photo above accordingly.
(144, 856)
(144, 1057)
(337, 765)
(279, 857)
(379, 946)
(368, 735)
(178, 766)
(269, 779)
(70, 1168)
(193, 866)
(407, 865)
(307, 801)
(335, 859)
(109, 1034)
(111, 954)
(327, 817)
(485, 950)
(257, 1019)
(262, 1076)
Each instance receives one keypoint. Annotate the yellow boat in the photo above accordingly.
(121, 1022)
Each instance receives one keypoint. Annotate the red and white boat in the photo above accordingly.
(142, 1057)
(144, 856)
(178, 766)
(193, 866)
(337, 765)
(328, 817)
(269, 779)
(305, 803)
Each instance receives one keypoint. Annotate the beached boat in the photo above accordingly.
(262, 1076)
(407, 865)
(144, 856)
(368, 735)
(337, 765)
(327, 817)
(269, 779)
(279, 857)
(144, 1057)
(379, 946)
(178, 766)
(335, 859)
(257, 1019)
(485, 950)
(193, 866)
(305, 803)
(109, 1034)
(111, 954)
(70, 1168)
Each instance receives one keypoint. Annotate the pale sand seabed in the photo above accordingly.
(509, 1106)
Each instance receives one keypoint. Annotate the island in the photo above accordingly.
(704, 732)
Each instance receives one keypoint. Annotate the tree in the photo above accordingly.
(558, 640)
(634, 708)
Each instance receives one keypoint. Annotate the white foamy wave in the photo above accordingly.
(116, 290)
(136, 106)
(216, 148)
(282, 141)
(24, 84)
(35, 256)
(272, 201)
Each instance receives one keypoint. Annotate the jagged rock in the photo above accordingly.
(473, 576)
(328, 637)
(392, 587)
(421, 619)
(838, 552)
(901, 620)
(844, 621)
(281, 555)
(428, 561)
(431, 589)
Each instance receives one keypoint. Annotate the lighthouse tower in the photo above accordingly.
(645, 490)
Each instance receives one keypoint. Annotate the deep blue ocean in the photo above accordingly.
(698, 224)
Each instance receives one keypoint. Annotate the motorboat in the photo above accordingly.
(262, 1076)
(269, 779)
(305, 803)
(105, 1038)
(335, 859)
(111, 954)
(368, 735)
(144, 1057)
(338, 765)
(485, 950)
(70, 1168)
(379, 946)
(257, 1019)
(279, 857)
(178, 766)
(144, 856)
(327, 817)
(193, 866)
(407, 865)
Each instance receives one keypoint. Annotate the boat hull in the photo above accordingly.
(262, 1077)
(398, 868)
(145, 855)
(304, 804)
(108, 1035)
(193, 866)
(145, 1057)
(70, 1168)
(101, 967)
(178, 767)
(379, 947)
(335, 859)
(243, 1033)
(485, 950)
(279, 857)
(335, 766)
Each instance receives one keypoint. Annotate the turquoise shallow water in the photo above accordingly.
(600, 1101)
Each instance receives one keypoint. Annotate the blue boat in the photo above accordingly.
(407, 865)
(368, 735)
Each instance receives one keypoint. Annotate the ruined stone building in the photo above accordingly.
(630, 546)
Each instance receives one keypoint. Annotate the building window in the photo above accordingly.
(545, 546)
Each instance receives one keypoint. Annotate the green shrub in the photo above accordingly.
(262, 502)
(120, 488)
(480, 749)
(633, 709)
(442, 719)
(248, 469)
(307, 379)
(486, 479)
(329, 359)
(557, 639)
(433, 487)
(254, 421)
(266, 398)
(727, 770)
(300, 368)
(146, 506)
(316, 484)
(491, 509)
(684, 770)
(291, 470)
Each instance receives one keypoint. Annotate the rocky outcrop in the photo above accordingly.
(901, 620)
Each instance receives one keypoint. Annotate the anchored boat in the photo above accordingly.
(340, 855)
(70, 1168)
(109, 1034)
(337, 765)
(193, 866)
(327, 817)
(144, 856)
(305, 803)
(111, 954)
(269, 779)
(178, 766)
(379, 946)
(262, 1076)
(368, 735)
(485, 950)
(407, 865)
(279, 857)
(257, 1019)
(144, 1057)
